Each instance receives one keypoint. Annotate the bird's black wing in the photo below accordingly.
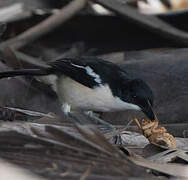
(89, 71)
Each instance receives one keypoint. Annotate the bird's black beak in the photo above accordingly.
(148, 111)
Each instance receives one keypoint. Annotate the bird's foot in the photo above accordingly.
(117, 139)
(66, 108)
(97, 119)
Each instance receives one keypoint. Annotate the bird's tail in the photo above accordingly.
(25, 72)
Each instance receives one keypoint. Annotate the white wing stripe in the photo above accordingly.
(78, 66)
(90, 72)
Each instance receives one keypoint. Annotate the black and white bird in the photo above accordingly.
(92, 84)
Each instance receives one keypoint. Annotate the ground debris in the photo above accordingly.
(41, 139)
(80, 148)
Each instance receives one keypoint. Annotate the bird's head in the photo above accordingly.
(140, 94)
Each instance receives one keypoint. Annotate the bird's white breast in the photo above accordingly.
(94, 99)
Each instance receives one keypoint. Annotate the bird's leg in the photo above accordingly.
(72, 115)
(94, 117)
(89, 113)
(66, 108)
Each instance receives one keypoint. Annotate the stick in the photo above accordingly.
(45, 26)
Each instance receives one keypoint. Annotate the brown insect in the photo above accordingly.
(156, 134)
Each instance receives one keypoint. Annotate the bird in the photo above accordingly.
(87, 84)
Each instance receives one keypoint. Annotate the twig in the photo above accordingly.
(29, 59)
(45, 26)
(86, 173)
(29, 113)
